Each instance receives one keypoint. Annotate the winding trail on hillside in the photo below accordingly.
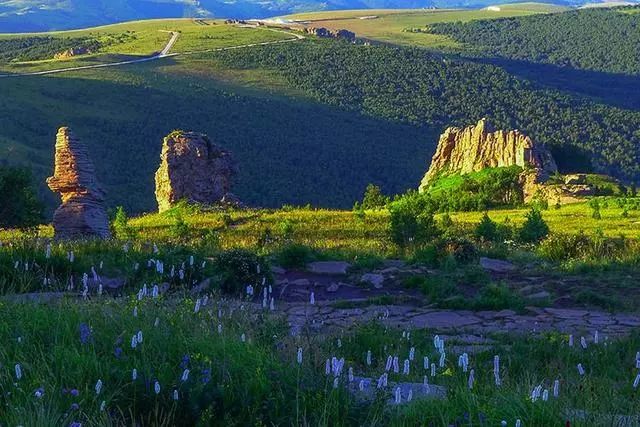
(164, 53)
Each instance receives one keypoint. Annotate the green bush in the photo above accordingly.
(373, 198)
(19, 205)
(412, 223)
(294, 256)
(534, 228)
(238, 268)
(121, 228)
(486, 229)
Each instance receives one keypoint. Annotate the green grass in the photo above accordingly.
(144, 38)
(259, 381)
(571, 219)
(390, 24)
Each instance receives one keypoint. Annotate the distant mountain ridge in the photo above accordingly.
(49, 15)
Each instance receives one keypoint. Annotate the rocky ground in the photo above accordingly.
(341, 299)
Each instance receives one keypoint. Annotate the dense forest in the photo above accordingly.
(36, 48)
(410, 85)
(594, 39)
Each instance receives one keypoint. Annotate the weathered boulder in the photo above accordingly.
(476, 147)
(82, 213)
(193, 169)
(374, 279)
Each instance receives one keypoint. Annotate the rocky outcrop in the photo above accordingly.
(82, 213)
(476, 147)
(74, 51)
(333, 34)
(195, 170)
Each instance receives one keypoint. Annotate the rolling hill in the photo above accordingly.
(311, 121)
(47, 15)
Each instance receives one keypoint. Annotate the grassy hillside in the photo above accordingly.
(367, 113)
(124, 41)
(394, 26)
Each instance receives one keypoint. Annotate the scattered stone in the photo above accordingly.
(301, 282)
(329, 267)
(397, 263)
(278, 270)
(73, 52)
(496, 265)
(328, 33)
(542, 295)
(194, 169)
(82, 213)
(373, 279)
(333, 287)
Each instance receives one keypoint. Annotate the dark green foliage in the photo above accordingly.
(412, 86)
(596, 39)
(35, 48)
(122, 229)
(373, 198)
(486, 229)
(294, 256)
(19, 205)
(493, 187)
(564, 247)
(534, 228)
(412, 223)
(238, 268)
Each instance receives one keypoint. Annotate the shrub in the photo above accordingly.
(294, 256)
(534, 228)
(180, 229)
(19, 205)
(238, 268)
(486, 229)
(373, 198)
(461, 249)
(412, 222)
(121, 228)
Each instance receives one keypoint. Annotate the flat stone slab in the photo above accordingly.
(496, 265)
(338, 268)
(444, 320)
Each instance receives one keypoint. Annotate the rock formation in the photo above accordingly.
(72, 52)
(82, 213)
(471, 149)
(463, 151)
(323, 32)
(193, 169)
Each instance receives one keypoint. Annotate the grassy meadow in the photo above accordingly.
(138, 39)
(159, 353)
(166, 361)
(390, 26)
